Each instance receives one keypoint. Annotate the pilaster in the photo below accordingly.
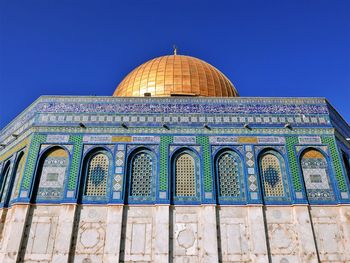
(208, 230)
(64, 233)
(258, 247)
(13, 232)
(113, 233)
(305, 234)
(161, 234)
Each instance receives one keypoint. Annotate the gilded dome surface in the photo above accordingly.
(175, 75)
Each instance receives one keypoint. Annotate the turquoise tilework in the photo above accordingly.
(36, 141)
(75, 161)
(335, 158)
(208, 181)
(164, 151)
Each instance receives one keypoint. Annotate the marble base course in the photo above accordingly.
(159, 233)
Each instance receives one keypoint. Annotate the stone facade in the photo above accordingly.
(103, 179)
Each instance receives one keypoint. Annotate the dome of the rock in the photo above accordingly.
(175, 75)
(132, 179)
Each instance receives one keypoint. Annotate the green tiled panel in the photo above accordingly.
(164, 153)
(32, 159)
(74, 168)
(293, 162)
(204, 142)
(335, 158)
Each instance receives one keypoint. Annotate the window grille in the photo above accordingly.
(5, 183)
(185, 175)
(19, 171)
(228, 172)
(96, 184)
(141, 174)
(272, 175)
(347, 164)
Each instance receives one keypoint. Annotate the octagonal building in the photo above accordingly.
(175, 167)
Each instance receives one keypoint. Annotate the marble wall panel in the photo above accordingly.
(289, 236)
(185, 234)
(139, 229)
(332, 231)
(91, 234)
(40, 234)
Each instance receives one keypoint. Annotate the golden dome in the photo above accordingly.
(175, 75)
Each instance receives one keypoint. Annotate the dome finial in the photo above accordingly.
(175, 49)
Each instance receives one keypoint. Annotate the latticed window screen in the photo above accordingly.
(96, 184)
(141, 174)
(185, 175)
(15, 187)
(272, 175)
(347, 164)
(5, 183)
(228, 173)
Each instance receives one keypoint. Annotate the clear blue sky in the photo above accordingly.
(266, 48)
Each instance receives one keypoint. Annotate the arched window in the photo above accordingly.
(142, 172)
(97, 174)
(229, 171)
(316, 176)
(185, 176)
(52, 174)
(5, 180)
(346, 164)
(18, 174)
(271, 172)
(187, 183)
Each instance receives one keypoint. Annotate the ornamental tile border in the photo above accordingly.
(291, 142)
(35, 144)
(206, 157)
(165, 141)
(335, 160)
(52, 104)
(14, 149)
(75, 161)
(182, 130)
